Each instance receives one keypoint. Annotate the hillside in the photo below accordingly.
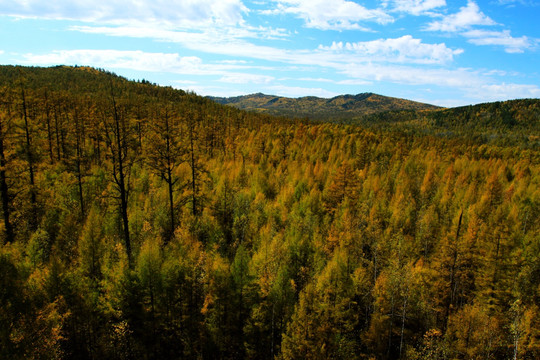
(340, 107)
(513, 122)
(143, 222)
(522, 114)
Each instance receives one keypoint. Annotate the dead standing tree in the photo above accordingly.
(29, 154)
(164, 154)
(4, 187)
(118, 139)
(193, 121)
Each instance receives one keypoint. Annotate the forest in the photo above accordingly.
(144, 222)
(339, 108)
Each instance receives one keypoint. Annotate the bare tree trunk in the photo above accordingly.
(30, 161)
(78, 161)
(57, 134)
(5, 190)
(49, 131)
(193, 169)
(403, 312)
(119, 173)
(170, 182)
(390, 325)
(452, 285)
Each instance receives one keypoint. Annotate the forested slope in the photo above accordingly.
(497, 123)
(146, 222)
(339, 108)
(513, 122)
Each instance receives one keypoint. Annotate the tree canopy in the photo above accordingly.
(146, 222)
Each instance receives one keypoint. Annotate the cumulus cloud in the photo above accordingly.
(467, 17)
(331, 14)
(499, 38)
(405, 49)
(176, 12)
(416, 7)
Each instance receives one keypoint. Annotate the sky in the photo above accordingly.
(442, 52)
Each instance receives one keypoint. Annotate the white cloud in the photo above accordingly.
(236, 78)
(230, 72)
(500, 38)
(473, 84)
(416, 7)
(184, 82)
(453, 78)
(469, 16)
(496, 92)
(296, 91)
(233, 62)
(310, 79)
(405, 49)
(133, 60)
(495, 73)
(176, 13)
(205, 90)
(213, 41)
(331, 14)
(340, 82)
(354, 82)
(210, 36)
(466, 17)
(521, 2)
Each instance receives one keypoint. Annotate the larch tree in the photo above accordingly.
(193, 120)
(4, 188)
(118, 138)
(165, 151)
(29, 155)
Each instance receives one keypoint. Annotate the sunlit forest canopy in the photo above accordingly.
(507, 122)
(143, 222)
(315, 108)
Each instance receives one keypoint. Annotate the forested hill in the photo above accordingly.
(74, 84)
(341, 107)
(513, 122)
(511, 115)
(142, 222)
(369, 109)
(522, 114)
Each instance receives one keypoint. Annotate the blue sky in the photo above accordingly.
(442, 52)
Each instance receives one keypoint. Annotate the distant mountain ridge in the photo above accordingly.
(501, 122)
(342, 107)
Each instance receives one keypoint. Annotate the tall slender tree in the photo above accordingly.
(29, 153)
(164, 154)
(118, 140)
(4, 189)
(193, 120)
